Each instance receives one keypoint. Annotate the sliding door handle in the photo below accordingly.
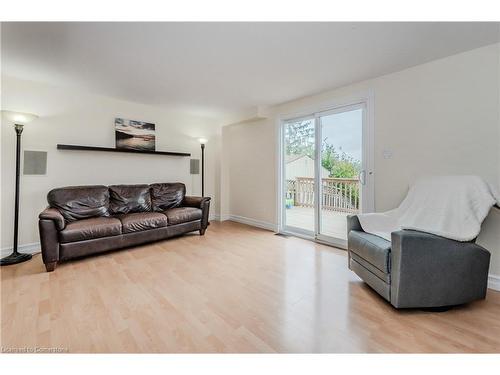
(362, 177)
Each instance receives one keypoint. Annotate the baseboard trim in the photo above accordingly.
(224, 217)
(213, 217)
(494, 282)
(254, 223)
(216, 217)
(30, 248)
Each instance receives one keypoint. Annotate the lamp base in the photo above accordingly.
(15, 258)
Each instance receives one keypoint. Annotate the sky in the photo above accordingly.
(344, 131)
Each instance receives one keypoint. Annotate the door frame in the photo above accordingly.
(367, 100)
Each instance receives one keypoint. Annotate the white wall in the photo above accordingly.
(249, 183)
(437, 118)
(81, 118)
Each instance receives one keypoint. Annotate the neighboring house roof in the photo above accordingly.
(292, 158)
(289, 159)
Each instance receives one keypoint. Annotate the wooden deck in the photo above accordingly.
(333, 223)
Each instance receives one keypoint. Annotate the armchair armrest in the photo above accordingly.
(53, 214)
(353, 223)
(432, 271)
(197, 202)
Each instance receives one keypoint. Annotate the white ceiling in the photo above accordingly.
(214, 69)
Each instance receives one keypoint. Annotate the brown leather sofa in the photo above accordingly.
(84, 220)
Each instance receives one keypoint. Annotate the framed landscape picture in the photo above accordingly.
(134, 135)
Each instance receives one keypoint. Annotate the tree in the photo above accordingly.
(300, 138)
(340, 165)
(300, 141)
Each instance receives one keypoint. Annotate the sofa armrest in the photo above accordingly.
(53, 214)
(190, 201)
(49, 241)
(199, 202)
(431, 271)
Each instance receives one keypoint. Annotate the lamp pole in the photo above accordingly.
(203, 169)
(16, 257)
(202, 144)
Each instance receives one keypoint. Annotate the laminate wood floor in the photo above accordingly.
(236, 289)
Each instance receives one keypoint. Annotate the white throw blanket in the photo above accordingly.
(450, 206)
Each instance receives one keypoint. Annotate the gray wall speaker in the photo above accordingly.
(35, 162)
(194, 166)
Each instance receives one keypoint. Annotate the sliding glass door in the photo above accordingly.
(324, 168)
(299, 159)
(341, 135)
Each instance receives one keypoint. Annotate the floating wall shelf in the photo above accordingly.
(109, 149)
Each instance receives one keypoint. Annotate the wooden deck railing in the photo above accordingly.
(337, 194)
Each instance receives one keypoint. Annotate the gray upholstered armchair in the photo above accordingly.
(417, 269)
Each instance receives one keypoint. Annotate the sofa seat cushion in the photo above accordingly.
(373, 249)
(139, 221)
(181, 215)
(88, 229)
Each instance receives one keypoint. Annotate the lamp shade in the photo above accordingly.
(202, 140)
(18, 117)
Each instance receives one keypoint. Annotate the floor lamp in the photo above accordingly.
(202, 143)
(19, 120)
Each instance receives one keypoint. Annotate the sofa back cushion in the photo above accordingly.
(80, 202)
(167, 195)
(124, 199)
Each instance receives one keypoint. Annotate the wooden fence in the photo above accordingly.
(337, 194)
